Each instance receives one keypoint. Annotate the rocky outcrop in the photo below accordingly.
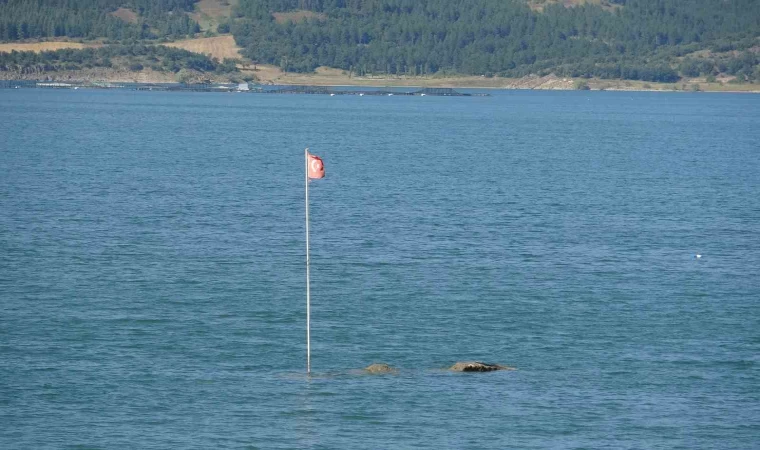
(548, 82)
(476, 366)
(380, 368)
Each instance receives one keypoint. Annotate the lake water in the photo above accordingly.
(152, 277)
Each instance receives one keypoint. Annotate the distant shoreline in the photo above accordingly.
(335, 78)
(325, 76)
(225, 47)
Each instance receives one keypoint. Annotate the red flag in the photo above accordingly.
(316, 167)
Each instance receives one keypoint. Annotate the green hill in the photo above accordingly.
(111, 19)
(121, 57)
(648, 40)
(129, 27)
(629, 39)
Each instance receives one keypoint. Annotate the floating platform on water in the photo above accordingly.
(241, 88)
(322, 90)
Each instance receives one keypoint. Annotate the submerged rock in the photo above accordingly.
(380, 368)
(476, 366)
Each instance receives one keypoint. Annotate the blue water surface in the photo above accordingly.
(152, 270)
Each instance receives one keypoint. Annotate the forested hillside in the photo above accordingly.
(124, 57)
(649, 40)
(633, 39)
(23, 19)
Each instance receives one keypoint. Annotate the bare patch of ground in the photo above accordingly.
(127, 15)
(216, 8)
(708, 53)
(548, 82)
(219, 47)
(210, 13)
(43, 46)
(722, 84)
(297, 16)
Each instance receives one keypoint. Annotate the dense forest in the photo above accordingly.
(650, 40)
(23, 19)
(631, 39)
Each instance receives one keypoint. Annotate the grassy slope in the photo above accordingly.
(38, 47)
(210, 13)
(127, 15)
(218, 47)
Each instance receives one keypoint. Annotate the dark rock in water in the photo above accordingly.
(475, 366)
(380, 368)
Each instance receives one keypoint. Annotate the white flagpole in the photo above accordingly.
(308, 298)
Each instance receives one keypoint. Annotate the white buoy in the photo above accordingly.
(697, 256)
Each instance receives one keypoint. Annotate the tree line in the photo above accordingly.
(132, 57)
(25, 19)
(637, 39)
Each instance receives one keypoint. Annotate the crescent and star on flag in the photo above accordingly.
(316, 167)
